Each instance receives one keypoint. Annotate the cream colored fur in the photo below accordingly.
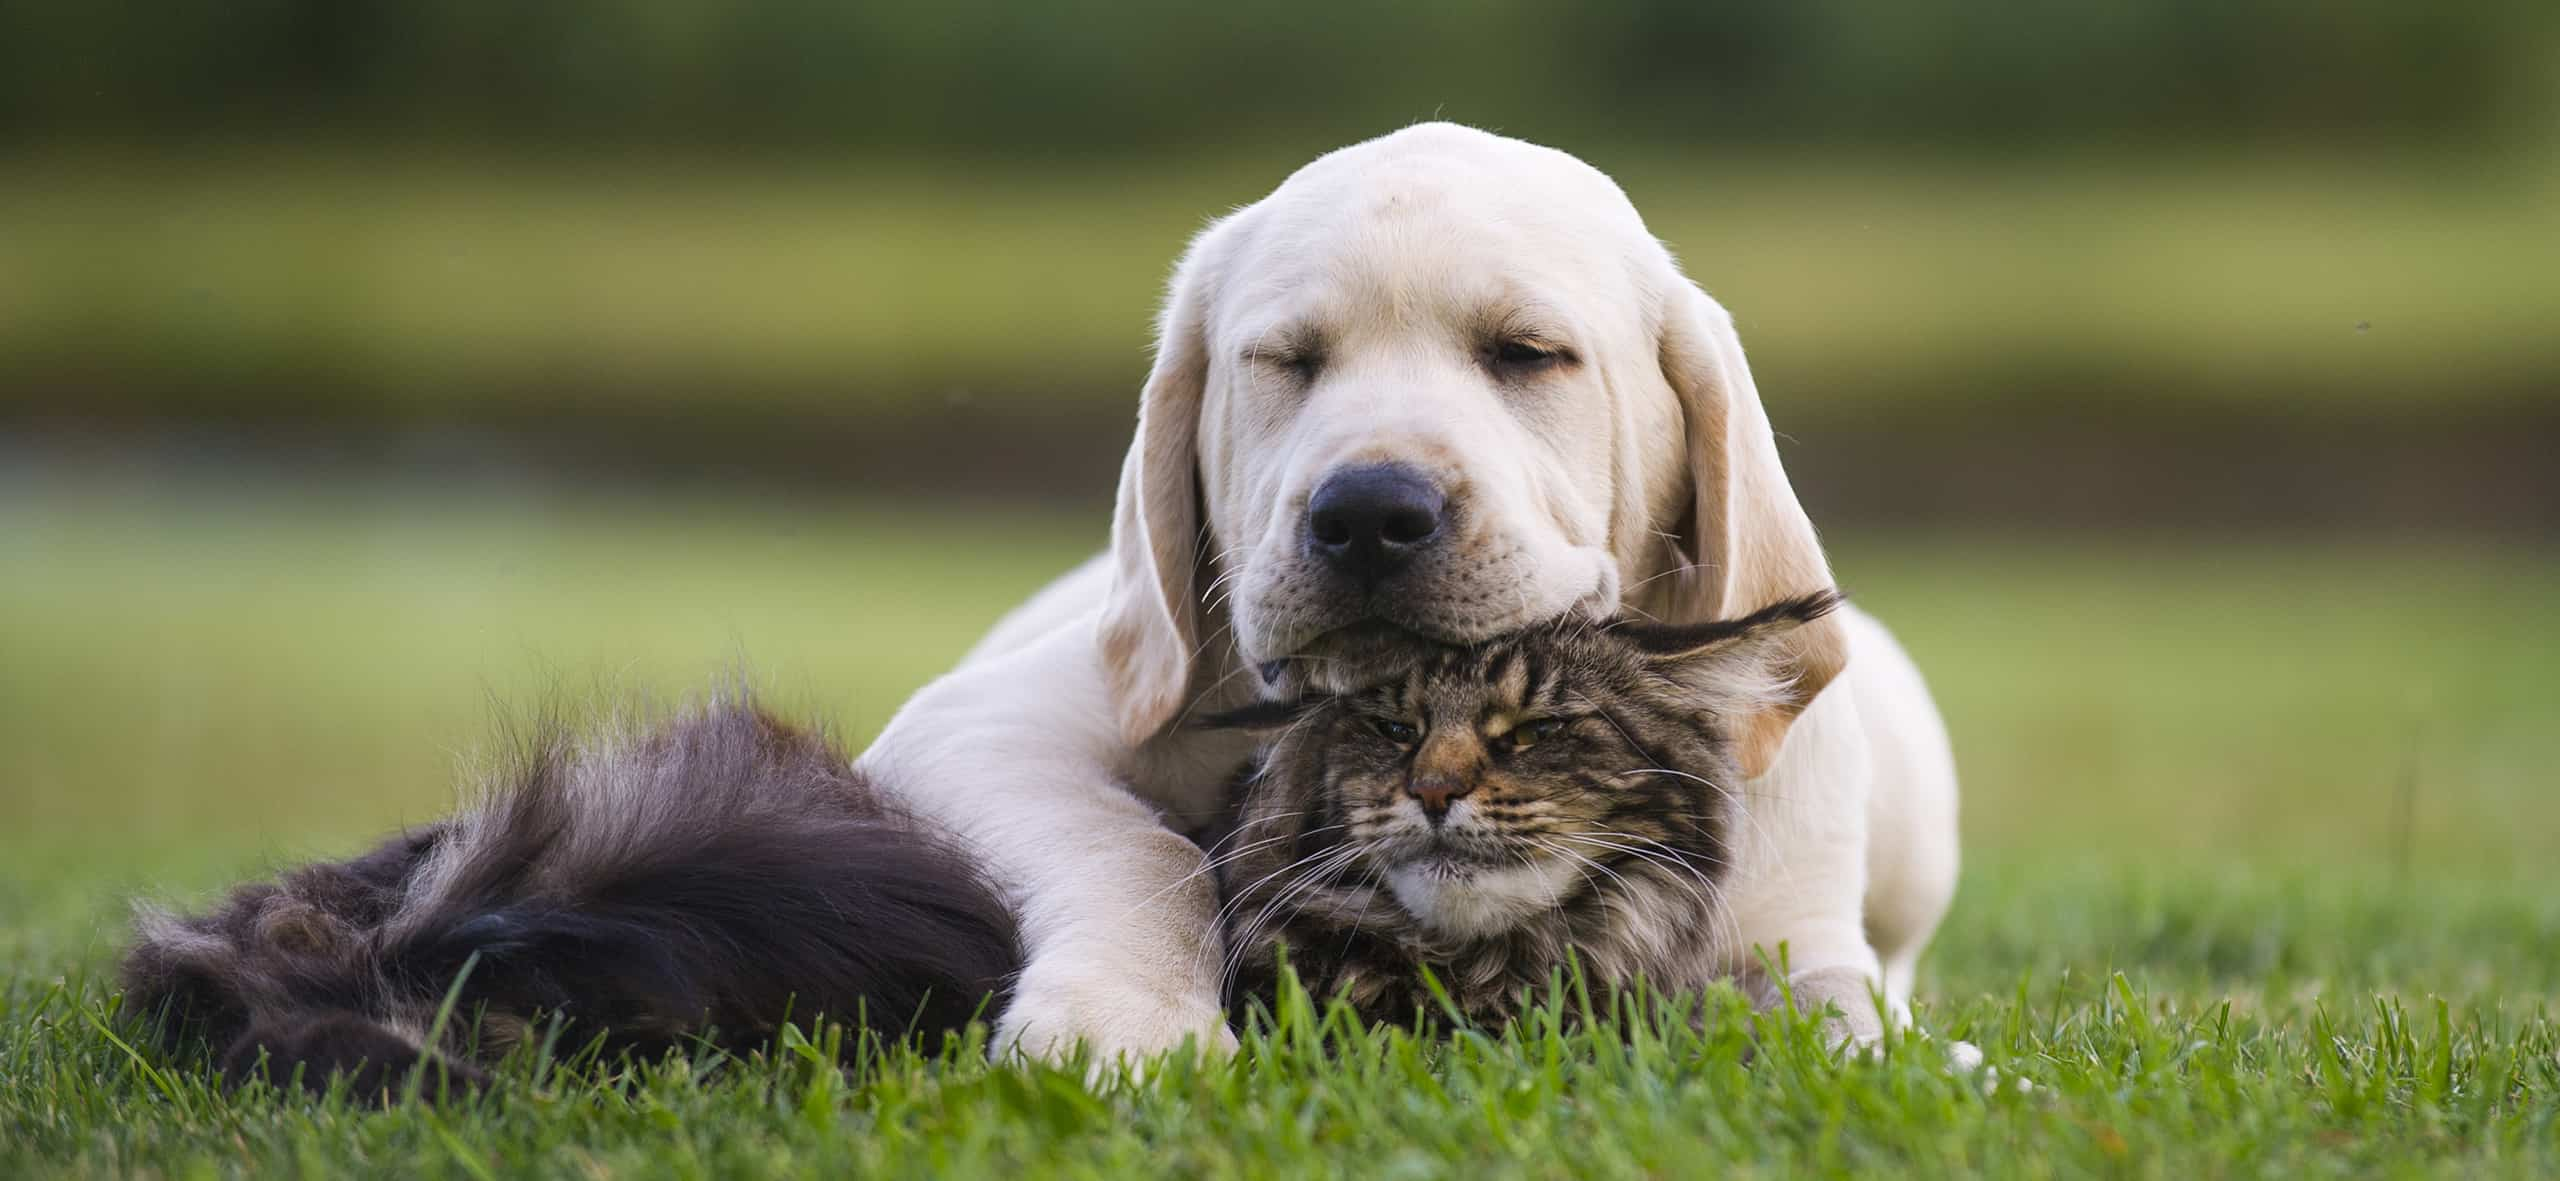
(1643, 476)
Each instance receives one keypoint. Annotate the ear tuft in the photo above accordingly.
(1747, 670)
(1680, 641)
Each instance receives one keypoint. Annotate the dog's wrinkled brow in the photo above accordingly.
(1529, 318)
(1295, 343)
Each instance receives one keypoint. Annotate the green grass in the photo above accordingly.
(249, 281)
(2258, 842)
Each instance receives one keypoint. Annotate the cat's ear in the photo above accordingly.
(1739, 666)
(1690, 641)
(1260, 716)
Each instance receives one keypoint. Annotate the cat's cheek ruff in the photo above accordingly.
(1481, 902)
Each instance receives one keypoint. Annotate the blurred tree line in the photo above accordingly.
(1012, 76)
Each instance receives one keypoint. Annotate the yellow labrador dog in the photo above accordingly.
(1441, 384)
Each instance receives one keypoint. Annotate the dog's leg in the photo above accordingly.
(1803, 904)
(1122, 955)
(1799, 893)
(1116, 909)
(1911, 805)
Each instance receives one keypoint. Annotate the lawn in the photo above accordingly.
(251, 281)
(2259, 842)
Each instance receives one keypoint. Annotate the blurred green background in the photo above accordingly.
(677, 230)
(2178, 377)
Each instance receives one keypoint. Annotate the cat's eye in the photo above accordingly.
(1400, 733)
(1530, 733)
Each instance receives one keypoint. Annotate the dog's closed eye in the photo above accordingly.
(1516, 355)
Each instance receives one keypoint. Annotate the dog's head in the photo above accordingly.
(1441, 385)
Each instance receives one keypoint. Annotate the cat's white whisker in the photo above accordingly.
(1682, 874)
(1221, 856)
(1312, 879)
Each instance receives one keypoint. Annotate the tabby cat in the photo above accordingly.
(1498, 810)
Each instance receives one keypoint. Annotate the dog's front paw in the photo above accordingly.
(1063, 1002)
(1843, 997)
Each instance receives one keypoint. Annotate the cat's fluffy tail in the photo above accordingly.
(713, 876)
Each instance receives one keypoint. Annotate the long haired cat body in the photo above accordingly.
(716, 875)
(1567, 795)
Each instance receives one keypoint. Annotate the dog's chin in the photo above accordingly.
(1360, 654)
(1331, 640)
(1363, 650)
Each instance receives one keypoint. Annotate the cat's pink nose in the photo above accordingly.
(1437, 792)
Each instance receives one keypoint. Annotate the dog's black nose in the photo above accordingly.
(1368, 521)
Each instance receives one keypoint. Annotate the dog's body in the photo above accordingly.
(1439, 385)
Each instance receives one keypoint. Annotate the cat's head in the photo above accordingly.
(1491, 781)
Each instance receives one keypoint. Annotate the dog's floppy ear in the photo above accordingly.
(1748, 542)
(1151, 620)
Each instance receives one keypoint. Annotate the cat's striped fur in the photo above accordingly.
(1499, 809)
